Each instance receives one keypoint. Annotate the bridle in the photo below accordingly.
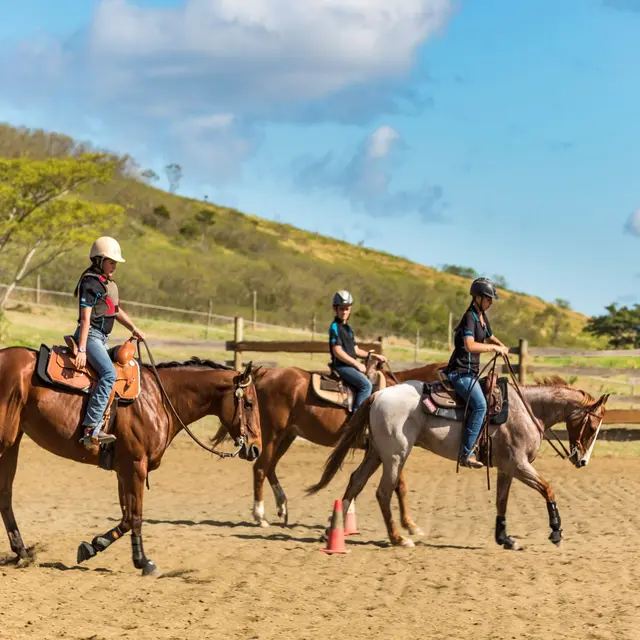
(238, 395)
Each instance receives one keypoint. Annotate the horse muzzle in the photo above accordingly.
(249, 452)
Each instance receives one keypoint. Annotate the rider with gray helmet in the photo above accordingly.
(473, 331)
(344, 350)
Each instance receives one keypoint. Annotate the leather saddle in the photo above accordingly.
(440, 398)
(332, 389)
(56, 367)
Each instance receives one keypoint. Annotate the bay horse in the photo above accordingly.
(288, 409)
(397, 422)
(144, 430)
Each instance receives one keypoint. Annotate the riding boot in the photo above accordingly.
(470, 462)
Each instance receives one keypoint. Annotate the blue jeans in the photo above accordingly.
(357, 380)
(462, 383)
(98, 358)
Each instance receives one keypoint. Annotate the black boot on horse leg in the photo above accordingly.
(87, 550)
(140, 561)
(502, 497)
(554, 523)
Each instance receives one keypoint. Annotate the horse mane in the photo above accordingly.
(557, 381)
(194, 361)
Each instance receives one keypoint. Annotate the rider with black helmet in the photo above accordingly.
(471, 334)
(345, 351)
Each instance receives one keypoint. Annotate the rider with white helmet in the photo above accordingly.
(345, 351)
(99, 308)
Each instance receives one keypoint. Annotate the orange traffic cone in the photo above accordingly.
(335, 540)
(350, 526)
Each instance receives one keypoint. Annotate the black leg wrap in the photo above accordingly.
(100, 543)
(501, 529)
(139, 559)
(554, 522)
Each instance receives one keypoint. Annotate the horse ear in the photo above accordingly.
(604, 399)
(247, 371)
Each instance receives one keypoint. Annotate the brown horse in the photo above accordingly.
(144, 430)
(288, 409)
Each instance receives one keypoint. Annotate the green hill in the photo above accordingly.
(183, 252)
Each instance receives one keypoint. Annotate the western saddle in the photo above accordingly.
(441, 399)
(57, 368)
(332, 389)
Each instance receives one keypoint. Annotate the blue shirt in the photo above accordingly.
(342, 334)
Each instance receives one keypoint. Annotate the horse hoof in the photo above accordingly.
(283, 514)
(511, 544)
(556, 538)
(150, 570)
(85, 552)
(415, 531)
(264, 523)
(407, 543)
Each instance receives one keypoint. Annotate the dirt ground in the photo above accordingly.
(225, 578)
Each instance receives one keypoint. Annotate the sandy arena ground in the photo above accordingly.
(225, 578)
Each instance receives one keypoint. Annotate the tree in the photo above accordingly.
(621, 326)
(456, 270)
(499, 281)
(174, 175)
(561, 303)
(40, 214)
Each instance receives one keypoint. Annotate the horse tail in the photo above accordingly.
(220, 437)
(353, 435)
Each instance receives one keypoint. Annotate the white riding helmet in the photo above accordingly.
(106, 247)
(342, 298)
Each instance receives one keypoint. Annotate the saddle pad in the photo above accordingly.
(57, 368)
(340, 396)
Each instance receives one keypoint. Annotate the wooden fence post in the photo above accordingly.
(449, 331)
(206, 331)
(38, 289)
(417, 349)
(238, 334)
(255, 308)
(381, 341)
(522, 361)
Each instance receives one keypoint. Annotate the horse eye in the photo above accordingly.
(248, 404)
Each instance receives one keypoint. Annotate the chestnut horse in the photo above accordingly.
(187, 392)
(288, 409)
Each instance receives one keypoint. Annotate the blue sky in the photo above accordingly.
(499, 135)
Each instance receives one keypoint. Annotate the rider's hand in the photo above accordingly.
(502, 350)
(380, 357)
(361, 368)
(81, 360)
(137, 334)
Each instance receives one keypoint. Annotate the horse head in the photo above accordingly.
(583, 426)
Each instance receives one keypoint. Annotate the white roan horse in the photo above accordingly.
(397, 422)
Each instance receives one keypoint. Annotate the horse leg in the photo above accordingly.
(405, 519)
(260, 468)
(278, 492)
(88, 550)
(390, 471)
(529, 476)
(502, 496)
(8, 466)
(360, 477)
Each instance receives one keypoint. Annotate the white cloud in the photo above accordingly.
(632, 225)
(365, 180)
(382, 141)
(191, 78)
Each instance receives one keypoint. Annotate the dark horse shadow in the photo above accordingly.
(228, 523)
(63, 567)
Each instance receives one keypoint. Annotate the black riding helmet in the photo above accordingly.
(483, 287)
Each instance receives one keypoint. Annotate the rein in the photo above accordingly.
(565, 454)
(239, 392)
